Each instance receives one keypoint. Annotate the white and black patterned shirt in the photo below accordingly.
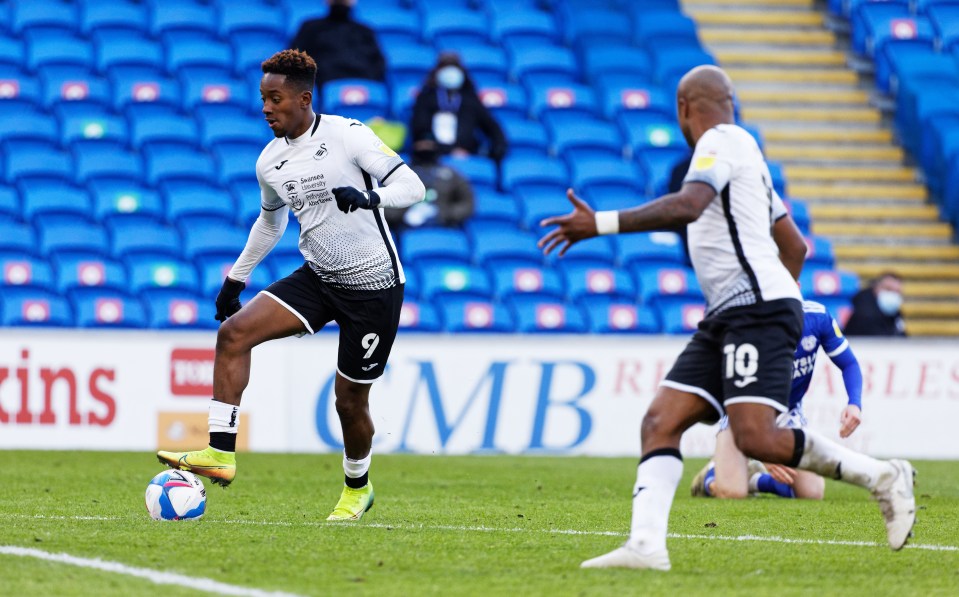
(353, 250)
(731, 244)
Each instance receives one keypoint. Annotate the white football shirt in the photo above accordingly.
(353, 250)
(731, 244)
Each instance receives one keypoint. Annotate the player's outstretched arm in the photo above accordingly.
(792, 245)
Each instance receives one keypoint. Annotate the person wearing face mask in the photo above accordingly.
(448, 112)
(876, 310)
(341, 47)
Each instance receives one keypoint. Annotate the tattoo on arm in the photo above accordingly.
(668, 212)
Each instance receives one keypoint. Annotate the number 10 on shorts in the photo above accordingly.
(742, 361)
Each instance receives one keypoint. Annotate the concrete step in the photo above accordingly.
(896, 252)
(771, 37)
(857, 192)
(781, 58)
(916, 272)
(804, 76)
(843, 97)
(849, 173)
(796, 151)
(899, 213)
(832, 135)
(924, 289)
(872, 230)
(755, 17)
(932, 327)
(946, 309)
(822, 116)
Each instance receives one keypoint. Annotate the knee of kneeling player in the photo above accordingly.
(728, 491)
(813, 488)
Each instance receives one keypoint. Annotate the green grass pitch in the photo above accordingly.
(482, 525)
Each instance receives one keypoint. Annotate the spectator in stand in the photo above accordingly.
(876, 310)
(341, 47)
(448, 111)
(449, 195)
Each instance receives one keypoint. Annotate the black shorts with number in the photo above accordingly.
(368, 319)
(743, 354)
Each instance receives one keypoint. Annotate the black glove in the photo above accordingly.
(349, 199)
(228, 299)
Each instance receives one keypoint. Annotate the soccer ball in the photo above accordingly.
(176, 495)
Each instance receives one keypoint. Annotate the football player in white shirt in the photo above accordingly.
(323, 168)
(740, 361)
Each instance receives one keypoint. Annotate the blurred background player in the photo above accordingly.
(740, 361)
(877, 309)
(315, 166)
(341, 47)
(730, 475)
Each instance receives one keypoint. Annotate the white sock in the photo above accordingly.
(656, 481)
(754, 482)
(834, 461)
(224, 418)
(356, 468)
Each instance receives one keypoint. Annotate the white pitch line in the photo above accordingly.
(486, 529)
(155, 576)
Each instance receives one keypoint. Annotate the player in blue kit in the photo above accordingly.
(730, 475)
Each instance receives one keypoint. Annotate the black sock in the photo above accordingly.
(798, 448)
(357, 482)
(224, 442)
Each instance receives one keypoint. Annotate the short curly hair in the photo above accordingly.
(299, 68)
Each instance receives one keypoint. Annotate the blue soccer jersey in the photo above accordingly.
(820, 329)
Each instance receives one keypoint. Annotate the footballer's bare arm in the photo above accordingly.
(669, 211)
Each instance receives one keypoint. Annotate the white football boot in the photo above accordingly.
(897, 503)
(628, 556)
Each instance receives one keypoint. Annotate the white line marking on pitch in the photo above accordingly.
(485, 529)
(154, 576)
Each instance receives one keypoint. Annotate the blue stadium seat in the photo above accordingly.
(10, 208)
(519, 23)
(12, 51)
(184, 51)
(159, 123)
(403, 92)
(820, 252)
(679, 315)
(656, 248)
(434, 243)
(76, 235)
(297, 12)
(417, 316)
(282, 265)
(607, 174)
(511, 279)
(659, 281)
(534, 315)
(18, 270)
(945, 22)
(930, 105)
(409, 60)
(210, 237)
(411, 285)
(246, 194)
(68, 84)
(585, 28)
(190, 199)
(839, 308)
(116, 15)
(658, 163)
(127, 49)
(133, 235)
(451, 277)
(182, 16)
(34, 308)
(42, 198)
(614, 316)
(42, 13)
(55, 47)
(216, 128)
(142, 86)
(819, 283)
(23, 121)
(671, 62)
(89, 270)
(520, 171)
(236, 160)
(613, 59)
(391, 23)
(167, 160)
(892, 28)
(105, 159)
(540, 202)
(98, 308)
(250, 16)
(799, 213)
(82, 120)
(355, 98)
(150, 271)
(18, 86)
(212, 85)
(458, 23)
(554, 63)
(484, 61)
(492, 206)
(524, 134)
(505, 99)
(584, 279)
(36, 159)
(657, 29)
(618, 95)
(473, 315)
(595, 136)
(506, 245)
(251, 48)
(939, 148)
(178, 309)
(598, 252)
(869, 17)
(17, 237)
(479, 170)
(213, 270)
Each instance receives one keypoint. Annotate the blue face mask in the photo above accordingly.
(889, 302)
(450, 77)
